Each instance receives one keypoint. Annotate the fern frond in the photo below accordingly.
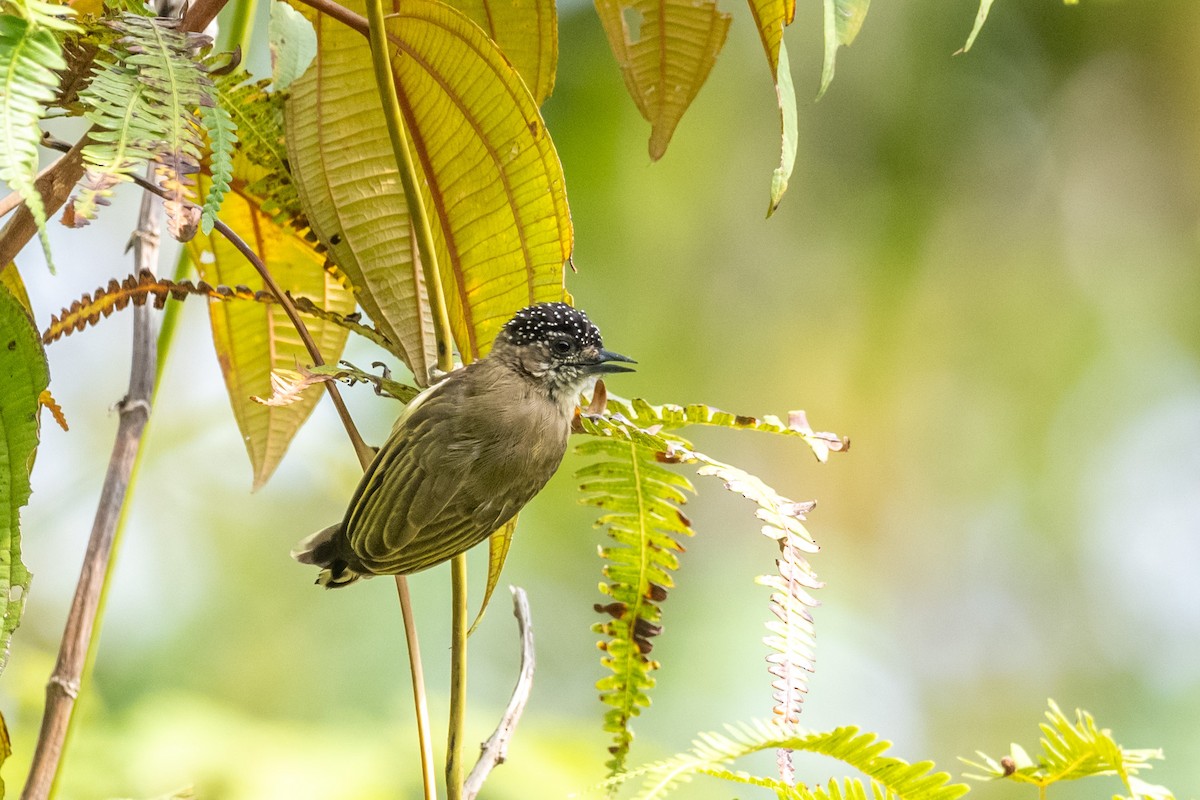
(673, 417)
(887, 776)
(30, 57)
(791, 634)
(1072, 750)
(47, 15)
(258, 115)
(222, 137)
(143, 105)
(148, 288)
(641, 500)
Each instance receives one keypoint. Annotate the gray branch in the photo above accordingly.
(495, 749)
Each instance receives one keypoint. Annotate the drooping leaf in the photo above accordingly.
(341, 158)
(526, 31)
(771, 17)
(981, 16)
(843, 20)
(492, 182)
(30, 57)
(887, 776)
(253, 339)
(5, 749)
(23, 377)
(498, 545)
(293, 44)
(665, 49)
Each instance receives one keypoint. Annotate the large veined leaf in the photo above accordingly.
(665, 49)
(23, 377)
(252, 339)
(492, 182)
(843, 19)
(527, 32)
(345, 171)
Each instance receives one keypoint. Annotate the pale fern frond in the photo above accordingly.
(222, 138)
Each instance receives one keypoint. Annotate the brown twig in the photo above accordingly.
(495, 749)
(79, 635)
(53, 184)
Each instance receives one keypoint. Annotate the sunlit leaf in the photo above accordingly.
(526, 31)
(23, 377)
(665, 50)
(492, 184)
(252, 339)
(293, 44)
(342, 161)
(789, 125)
(843, 19)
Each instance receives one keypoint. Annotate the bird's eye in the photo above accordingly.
(561, 347)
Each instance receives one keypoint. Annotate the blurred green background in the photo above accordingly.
(985, 273)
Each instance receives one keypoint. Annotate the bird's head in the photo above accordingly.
(559, 348)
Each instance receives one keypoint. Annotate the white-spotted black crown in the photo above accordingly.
(535, 323)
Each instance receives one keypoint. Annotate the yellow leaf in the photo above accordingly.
(771, 17)
(526, 31)
(252, 339)
(498, 544)
(345, 172)
(665, 49)
(492, 181)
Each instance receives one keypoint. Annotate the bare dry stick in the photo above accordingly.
(134, 410)
(495, 749)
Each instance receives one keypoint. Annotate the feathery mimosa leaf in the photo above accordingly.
(30, 57)
(493, 185)
(843, 19)
(527, 32)
(253, 339)
(345, 172)
(222, 138)
(888, 777)
(665, 50)
(1073, 749)
(23, 377)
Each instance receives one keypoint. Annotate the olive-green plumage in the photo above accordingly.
(468, 453)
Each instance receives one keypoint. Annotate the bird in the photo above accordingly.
(469, 452)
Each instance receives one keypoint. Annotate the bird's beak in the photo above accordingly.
(602, 362)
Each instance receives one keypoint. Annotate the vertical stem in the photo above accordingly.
(458, 678)
(81, 633)
(240, 28)
(419, 219)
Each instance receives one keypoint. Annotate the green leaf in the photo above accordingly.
(1073, 749)
(30, 57)
(843, 19)
(665, 49)
(887, 776)
(253, 339)
(526, 31)
(23, 377)
(222, 137)
(293, 44)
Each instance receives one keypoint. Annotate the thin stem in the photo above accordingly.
(418, 217)
(341, 14)
(417, 672)
(82, 631)
(458, 678)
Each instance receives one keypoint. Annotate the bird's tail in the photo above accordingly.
(319, 550)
